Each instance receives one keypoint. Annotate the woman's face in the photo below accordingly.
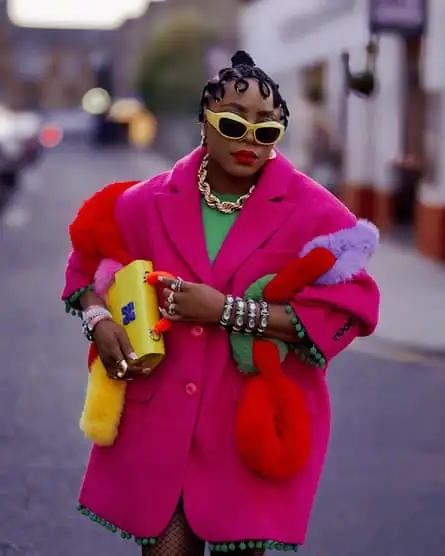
(243, 157)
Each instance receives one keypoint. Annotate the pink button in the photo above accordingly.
(191, 389)
(197, 331)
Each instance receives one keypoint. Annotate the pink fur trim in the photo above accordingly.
(105, 275)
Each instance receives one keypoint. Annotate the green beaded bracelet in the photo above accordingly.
(71, 304)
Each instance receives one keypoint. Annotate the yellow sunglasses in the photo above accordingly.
(232, 126)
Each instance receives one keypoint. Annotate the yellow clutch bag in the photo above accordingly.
(132, 300)
(134, 304)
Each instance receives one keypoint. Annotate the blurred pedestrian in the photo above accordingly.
(232, 211)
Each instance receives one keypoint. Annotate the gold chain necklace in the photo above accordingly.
(226, 207)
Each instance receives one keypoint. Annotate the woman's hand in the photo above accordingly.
(114, 347)
(194, 302)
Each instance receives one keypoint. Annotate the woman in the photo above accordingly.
(229, 213)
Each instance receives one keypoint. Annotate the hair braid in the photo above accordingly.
(243, 68)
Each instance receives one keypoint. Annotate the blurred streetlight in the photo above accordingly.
(142, 129)
(96, 101)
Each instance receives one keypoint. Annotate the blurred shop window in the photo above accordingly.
(71, 66)
(29, 63)
(72, 95)
(321, 153)
(31, 95)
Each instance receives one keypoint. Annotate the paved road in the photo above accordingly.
(383, 491)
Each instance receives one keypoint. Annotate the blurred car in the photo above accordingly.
(19, 144)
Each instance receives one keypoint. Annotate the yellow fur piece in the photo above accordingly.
(104, 403)
(105, 397)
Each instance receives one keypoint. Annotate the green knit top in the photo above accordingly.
(217, 225)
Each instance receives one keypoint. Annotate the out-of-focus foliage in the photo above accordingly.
(172, 66)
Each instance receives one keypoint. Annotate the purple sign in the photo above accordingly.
(404, 17)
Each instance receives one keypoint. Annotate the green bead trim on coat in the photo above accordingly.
(72, 303)
(251, 545)
(141, 541)
(305, 349)
(214, 547)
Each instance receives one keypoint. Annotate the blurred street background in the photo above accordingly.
(95, 94)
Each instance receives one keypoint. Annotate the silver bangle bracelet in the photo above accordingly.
(252, 317)
(227, 314)
(264, 318)
(240, 312)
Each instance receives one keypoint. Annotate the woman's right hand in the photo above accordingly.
(113, 345)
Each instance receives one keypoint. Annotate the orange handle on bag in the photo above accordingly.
(152, 278)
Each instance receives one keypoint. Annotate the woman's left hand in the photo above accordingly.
(195, 302)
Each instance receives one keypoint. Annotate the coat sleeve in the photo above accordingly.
(76, 278)
(328, 318)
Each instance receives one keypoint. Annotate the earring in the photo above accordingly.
(203, 139)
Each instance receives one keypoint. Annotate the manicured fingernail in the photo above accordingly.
(133, 355)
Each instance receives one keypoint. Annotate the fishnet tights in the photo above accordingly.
(179, 540)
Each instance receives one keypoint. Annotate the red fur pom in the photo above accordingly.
(298, 274)
(94, 232)
(273, 423)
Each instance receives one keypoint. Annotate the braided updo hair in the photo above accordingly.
(243, 68)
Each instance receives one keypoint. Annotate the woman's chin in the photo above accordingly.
(239, 170)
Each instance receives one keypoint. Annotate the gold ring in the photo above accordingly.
(122, 368)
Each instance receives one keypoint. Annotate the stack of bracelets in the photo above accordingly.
(93, 316)
(245, 315)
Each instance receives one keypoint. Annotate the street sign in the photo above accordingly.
(403, 17)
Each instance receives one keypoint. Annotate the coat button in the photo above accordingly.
(191, 389)
(197, 331)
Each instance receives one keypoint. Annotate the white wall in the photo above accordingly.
(434, 79)
(386, 126)
(374, 127)
(263, 23)
(434, 50)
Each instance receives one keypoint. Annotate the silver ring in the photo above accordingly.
(171, 297)
(178, 285)
(171, 309)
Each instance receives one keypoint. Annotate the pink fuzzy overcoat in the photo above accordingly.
(177, 431)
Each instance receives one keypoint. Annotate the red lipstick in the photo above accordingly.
(245, 157)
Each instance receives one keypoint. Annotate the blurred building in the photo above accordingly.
(391, 143)
(46, 68)
(134, 32)
(51, 68)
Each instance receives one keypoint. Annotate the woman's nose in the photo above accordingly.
(250, 137)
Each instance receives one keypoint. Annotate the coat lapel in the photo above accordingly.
(181, 216)
(261, 217)
(263, 214)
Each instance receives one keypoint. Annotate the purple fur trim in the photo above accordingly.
(352, 248)
(105, 275)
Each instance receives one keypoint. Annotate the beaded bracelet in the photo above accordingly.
(72, 303)
(91, 317)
